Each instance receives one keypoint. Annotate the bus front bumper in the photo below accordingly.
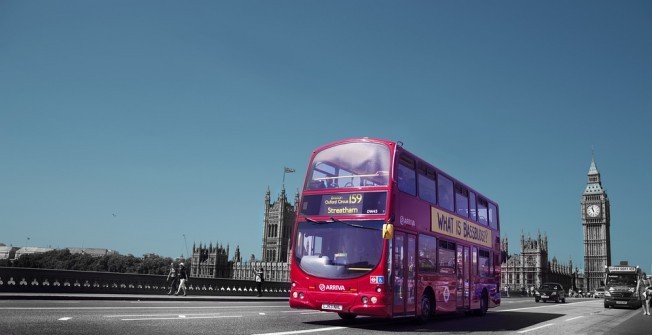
(340, 304)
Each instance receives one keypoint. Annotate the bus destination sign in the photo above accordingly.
(344, 204)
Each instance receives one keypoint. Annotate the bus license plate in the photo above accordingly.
(331, 307)
(621, 302)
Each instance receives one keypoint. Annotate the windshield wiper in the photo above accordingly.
(333, 220)
(352, 224)
(315, 221)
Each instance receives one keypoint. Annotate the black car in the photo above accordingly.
(550, 291)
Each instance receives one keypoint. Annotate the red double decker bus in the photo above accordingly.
(380, 232)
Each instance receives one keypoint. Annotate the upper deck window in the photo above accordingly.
(461, 201)
(358, 164)
(407, 176)
(427, 185)
(493, 216)
(445, 192)
(482, 211)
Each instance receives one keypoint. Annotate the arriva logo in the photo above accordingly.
(323, 287)
(405, 221)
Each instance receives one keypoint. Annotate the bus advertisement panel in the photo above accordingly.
(377, 234)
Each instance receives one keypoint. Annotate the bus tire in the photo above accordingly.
(347, 316)
(484, 304)
(427, 308)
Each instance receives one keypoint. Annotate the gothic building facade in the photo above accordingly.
(531, 267)
(278, 221)
(596, 222)
(210, 262)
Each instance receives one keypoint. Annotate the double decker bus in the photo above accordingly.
(381, 232)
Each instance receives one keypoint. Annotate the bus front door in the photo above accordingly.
(463, 277)
(404, 276)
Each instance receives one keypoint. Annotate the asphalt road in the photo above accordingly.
(185, 316)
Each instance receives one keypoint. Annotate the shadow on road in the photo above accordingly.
(505, 321)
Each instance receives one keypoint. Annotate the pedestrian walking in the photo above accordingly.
(172, 279)
(645, 292)
(183, 279)
(260, 278)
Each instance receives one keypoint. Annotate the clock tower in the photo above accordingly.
(595, 226)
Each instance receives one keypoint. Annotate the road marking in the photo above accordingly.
(134, 307)
(577, 317)
(535, 328)
(545, 306)
(304, 331)
(182, 317)
(65, 319)
(318, 312)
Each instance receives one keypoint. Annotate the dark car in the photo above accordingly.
(550, 291)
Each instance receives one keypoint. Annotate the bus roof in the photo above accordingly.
(398, 147)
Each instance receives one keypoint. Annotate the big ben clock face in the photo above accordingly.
(593, 210)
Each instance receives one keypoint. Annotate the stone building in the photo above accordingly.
(531, 267)
(210, 261)
(278, 223)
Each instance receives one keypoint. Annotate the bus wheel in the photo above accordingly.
(484, 304)
(347, 316)
(427, 308)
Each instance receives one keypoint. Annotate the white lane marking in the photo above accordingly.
(140, 307)
(65, 319)
(310, 313)
(535, 328)
(304, 331)
(181, 317)
(544, 306)
(577, 317)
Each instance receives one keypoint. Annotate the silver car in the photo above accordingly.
(599, 293)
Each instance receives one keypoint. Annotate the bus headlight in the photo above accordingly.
(295, 294)
(379, 289)
(374, 300)
(365, 300)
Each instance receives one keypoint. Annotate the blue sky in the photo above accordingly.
(178, 116)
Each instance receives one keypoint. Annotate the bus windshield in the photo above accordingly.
(338, 249)
(621, 279)
(360, 164)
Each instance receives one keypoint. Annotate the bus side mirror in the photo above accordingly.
(388, 231)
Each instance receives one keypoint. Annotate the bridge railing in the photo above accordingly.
(14, 279)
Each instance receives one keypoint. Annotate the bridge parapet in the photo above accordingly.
(30, 280)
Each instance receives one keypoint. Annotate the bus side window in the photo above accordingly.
(445, 192)
(461, 201)
(483, 261)
(493, 216)
(406, 176)
(427, 186)
(446, 257)
(427, 253)
(472, 210)
(482, 211)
